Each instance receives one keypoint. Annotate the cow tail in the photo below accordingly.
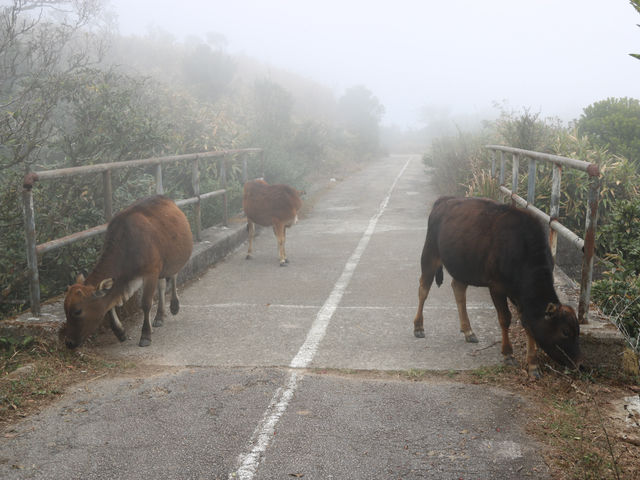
(439, 276)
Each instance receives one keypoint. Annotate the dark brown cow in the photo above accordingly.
(488, 244)
(148, 241)
(270, 205)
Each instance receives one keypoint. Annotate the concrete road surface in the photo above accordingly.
(274, 373)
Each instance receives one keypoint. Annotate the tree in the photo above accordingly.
(635, 4)
(613, 123)
(43, 44)
(37, 55)
(361, 113)
(207, 71)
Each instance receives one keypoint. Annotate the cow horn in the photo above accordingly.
(551, 309)
(106, 284)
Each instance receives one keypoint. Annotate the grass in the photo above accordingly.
(34, 372)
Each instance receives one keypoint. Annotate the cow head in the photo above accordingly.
(557, 334)
(84, 307)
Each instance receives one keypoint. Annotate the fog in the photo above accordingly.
(554, 57)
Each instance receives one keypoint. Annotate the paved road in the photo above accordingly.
(273, 373)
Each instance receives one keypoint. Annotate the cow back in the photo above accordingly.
(482, 242)
(262, 203)
(151, 235)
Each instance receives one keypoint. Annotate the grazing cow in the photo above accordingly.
(145, 244)
(488, 244)
(270, 205)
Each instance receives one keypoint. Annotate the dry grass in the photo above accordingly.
(34, 373)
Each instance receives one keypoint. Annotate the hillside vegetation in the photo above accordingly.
(73, 92)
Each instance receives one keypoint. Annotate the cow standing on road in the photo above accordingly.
(145, 244)
(270, 205)
(488, 244)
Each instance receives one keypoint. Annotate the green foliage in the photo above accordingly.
(636, 5)
(452, 159)
(618, 293)
(614, 123)
(620, 235)
(525, 130)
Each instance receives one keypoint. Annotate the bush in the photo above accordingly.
(618, 296)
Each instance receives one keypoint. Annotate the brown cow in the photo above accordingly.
(149, 240)
(270, 205)
(488, 244)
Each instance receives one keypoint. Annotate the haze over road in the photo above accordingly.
(269, 372)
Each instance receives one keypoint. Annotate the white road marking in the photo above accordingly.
(248, 462)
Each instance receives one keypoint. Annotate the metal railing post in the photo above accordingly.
(531, 181)
(589, 243)
(502, 168)
(554, 208)
(30, 237)
(159, 186)
(514, 176)
(245, 169)
(225, 198)
(107, 192)
(195, 182)
(493, 164)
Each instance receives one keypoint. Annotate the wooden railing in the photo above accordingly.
(586, 245)
(105, 169)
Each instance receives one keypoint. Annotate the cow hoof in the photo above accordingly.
(471, 338)
(248, 257)
(174, 307)
(121, 336)
(510, 361)
(535, 373)
(418, 333)
(284, 264)
(144, 342)
(158, 322)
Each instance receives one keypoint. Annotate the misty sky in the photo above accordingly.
(551, 56)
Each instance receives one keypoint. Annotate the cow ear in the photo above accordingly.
(105, 284)
(80, 278)
(551, 309)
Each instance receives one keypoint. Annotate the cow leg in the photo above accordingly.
(428, 269)
(251, 228)
(148, 289)
(175, 301)
(532, 356)
(158, 320)
(278, 230)
(423, 293)
(504, 318)
(460, 292)
(116, 325)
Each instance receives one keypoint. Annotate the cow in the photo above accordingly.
(270, 205)
(145, 244)
(485, 243)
